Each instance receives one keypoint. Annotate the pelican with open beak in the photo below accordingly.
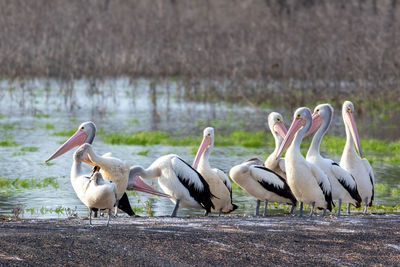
(111, 168)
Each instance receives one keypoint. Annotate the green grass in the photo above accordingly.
(40, 116)
(18, 183)
(8, 141)
(66, 133)
(29, 149)
(236, 138)
(8, 126)
(143, 152)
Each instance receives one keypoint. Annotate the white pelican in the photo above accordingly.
(344, 187)
(219, 183)
(93, 191)
(278, 130)
(111, 169)
(354, 163)
(308, 183)
(185, 186)
(265, 183)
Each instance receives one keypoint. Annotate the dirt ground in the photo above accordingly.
(203, 241)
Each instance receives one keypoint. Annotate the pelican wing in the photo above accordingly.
(272, 181)
(193, 181)
(323, 183)
(346, 180)
(224, 178)
(371, 177)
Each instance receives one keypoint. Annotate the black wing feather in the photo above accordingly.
(283, 192)
(328, 197)
(352, 191)
(202, 197)
(373, 191)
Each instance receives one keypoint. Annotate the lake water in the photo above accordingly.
(30, 109)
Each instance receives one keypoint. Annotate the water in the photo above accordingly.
(120, 105)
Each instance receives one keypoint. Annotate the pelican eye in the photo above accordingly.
(317, 110)
(348, 109)
(298, 116)
(83, 128)
(209, 134)
(278, 120)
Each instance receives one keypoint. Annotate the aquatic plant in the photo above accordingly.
(66, 133)
(40, 116)
(143, 152)
(8, 141)
(19, 183)
(29, 149)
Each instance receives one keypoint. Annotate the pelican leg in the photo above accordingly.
(116, 208)
(95, 213)
(301, 209)
(292, 209)
(175, 209)
(323, 214)
(366, 205)
(340, 207)
(258, 207)
(206, 213)
(90, 217)
(220, 212)
(348, 209)
(312, 209)
(108, 219)
(265, 208)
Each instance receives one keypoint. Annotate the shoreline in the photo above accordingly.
(229, 240)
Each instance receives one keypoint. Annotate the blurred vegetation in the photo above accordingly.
(260, 53)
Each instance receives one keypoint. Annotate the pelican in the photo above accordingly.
(219, 183)
(266, 180)
(278, 130)
(111, 169)
(263, 184)
(93, 191)
(344, 187)
(308, 183)
(185, 186)
(354, 163)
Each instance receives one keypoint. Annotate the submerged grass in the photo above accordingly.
(236, 138)
(18, 183)
(66, 133)
(374, 150)
(8, 141)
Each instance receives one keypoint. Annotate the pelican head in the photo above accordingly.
(207, 142)
(348, 118)
(275, 123)
(322, 113)
(85, 134)
(81, 154)
(302, 119)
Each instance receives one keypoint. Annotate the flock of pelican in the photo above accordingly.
(313, 180)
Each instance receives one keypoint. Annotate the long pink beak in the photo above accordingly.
(280, 129)
(294, 128)
(76, 140)
(316, 123)
(353, 130)
(138, 185)
(204, 144)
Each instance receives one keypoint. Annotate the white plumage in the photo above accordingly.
(352, 162)
(344, 187)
